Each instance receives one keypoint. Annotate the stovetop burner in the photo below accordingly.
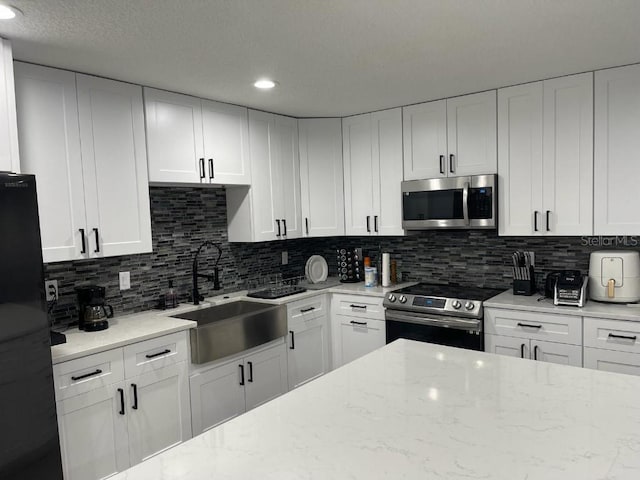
(449, 291)
(452, 300)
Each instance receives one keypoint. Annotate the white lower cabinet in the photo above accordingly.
(612, 345)
(107, 424)
(93, 434)
(612, 361)
(534, 349)
(360, 337)
(357, 327)
(233, 386)
(308, 340)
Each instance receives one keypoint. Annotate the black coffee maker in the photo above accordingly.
(92, 309)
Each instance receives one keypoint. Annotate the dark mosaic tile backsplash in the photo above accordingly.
(182, 218)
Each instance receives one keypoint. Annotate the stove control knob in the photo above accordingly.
(456, 304)
(392, 297)
(469, 306)
(402, 299)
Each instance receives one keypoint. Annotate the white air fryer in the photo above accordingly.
(614, 276)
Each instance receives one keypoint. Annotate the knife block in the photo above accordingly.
(525, 287)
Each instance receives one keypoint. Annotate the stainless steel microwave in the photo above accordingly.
(453, 202)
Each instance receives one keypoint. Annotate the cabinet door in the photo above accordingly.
(556, 353)
(9, 160)
(288, 186)
(226, 143)
(359, 167)
(425, 140)
(509, 346)
(266, 197)
(568, 155)
(387, 154)
(265, 376)
(471, 134)
(520, 159)
(174, 137)
(617, 143)
(308, 353)
(612, 361)
(360, 337)
(321, 177)
(50, 149)
(216, 396)
(158, 411)
(114, 158)
(93, 434)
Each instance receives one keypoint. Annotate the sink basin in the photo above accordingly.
(233, 327)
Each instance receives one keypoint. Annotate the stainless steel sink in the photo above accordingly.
(233, 327)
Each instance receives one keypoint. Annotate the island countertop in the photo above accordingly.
(414, 410)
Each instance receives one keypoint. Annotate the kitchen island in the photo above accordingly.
(421, 411)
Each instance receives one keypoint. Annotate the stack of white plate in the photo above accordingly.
(316, 269)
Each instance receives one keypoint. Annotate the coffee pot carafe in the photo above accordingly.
(92, 308)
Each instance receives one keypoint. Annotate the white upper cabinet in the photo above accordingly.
(617, 143)
(270, 209)
(321, 177)
(545, 157)
(226, 143)
(372, 152)
(471, 134)
(174, 137)
(195, 141)
(86, 146)
(451, 137)
(567, 162)
(114, 159)
(387, 154)
(50, 150)
(9, 160)
(425, 140)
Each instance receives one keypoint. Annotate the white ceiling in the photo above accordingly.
(331, 57)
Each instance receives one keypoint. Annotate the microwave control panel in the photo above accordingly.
(480, 202)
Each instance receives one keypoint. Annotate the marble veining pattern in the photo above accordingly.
(420, 411)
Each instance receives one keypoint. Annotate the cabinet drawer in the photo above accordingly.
(153, 354)
(303, 311)
(358, 306)
(612, 334)
(88, 373)
(535, 326)
(612, 361)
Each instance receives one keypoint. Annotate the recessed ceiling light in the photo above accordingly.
(265, 84)
(7, 12)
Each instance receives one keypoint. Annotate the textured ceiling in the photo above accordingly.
(331, 57)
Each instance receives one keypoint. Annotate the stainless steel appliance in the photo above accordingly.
(450, 315)
(93, 311)
(614, 276)
(570, 289)
(454, 202)
(30, 447)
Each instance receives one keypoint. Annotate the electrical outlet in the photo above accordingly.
(125, 280)
(285, 258)
(532, 256)
(51, 289)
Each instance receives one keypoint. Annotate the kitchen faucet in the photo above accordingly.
(197, 298)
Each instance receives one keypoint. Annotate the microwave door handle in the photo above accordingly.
(465, 203)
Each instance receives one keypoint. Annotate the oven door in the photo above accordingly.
(440, 329)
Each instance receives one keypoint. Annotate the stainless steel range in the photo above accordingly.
(444, 314)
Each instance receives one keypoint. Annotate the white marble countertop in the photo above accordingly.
(414, 410)
(591, 309)
(136, 327)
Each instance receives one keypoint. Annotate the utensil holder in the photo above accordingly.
(525, 286)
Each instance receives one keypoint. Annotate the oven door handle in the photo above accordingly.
(465, 203)
(444, 321)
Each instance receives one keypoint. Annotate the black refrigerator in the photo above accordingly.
(29, 447)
